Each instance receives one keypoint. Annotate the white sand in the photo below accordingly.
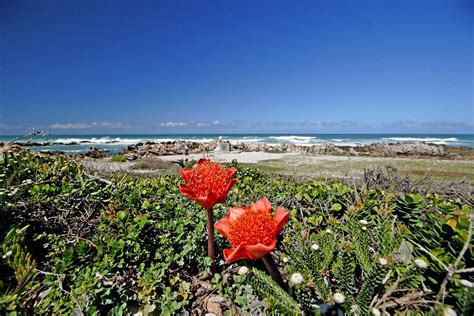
(242, 157)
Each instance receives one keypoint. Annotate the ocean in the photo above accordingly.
(115, 143)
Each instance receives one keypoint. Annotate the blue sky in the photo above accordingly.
(236, 66)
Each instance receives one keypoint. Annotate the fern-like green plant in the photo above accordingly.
(313, 264)
(17, 257)
(371, 286)
(344, 271)
(279, 300)
(361, 243)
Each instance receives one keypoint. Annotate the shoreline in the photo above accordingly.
(132, 152)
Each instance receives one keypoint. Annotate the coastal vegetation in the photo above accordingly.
(118, 158)
(76, 242)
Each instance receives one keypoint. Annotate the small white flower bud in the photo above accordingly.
(375, 311)
(339, 298)
(466, 283)
(296, 278)
(315, 247)
(383, 261)
(421, 263)
(285, 259)
(243, 270)
(448, 311)
(363, 222)
(328, 231)
(364, 228)
(8, 254)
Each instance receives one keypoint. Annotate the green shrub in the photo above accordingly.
(70, 241)
(155, 164)
(119, 158)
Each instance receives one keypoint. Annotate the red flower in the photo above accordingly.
(251, 231)
(207, 183)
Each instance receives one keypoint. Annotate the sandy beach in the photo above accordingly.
(242, 157)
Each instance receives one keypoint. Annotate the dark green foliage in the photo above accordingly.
(119, 158)
(120, 244)
(17, 258)
(371, 286)
(103, 244)
(344, 271)
(278, 300)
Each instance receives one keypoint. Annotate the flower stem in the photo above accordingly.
(273, 269)
(211, 248)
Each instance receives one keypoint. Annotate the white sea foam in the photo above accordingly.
(158, 140)
(199, 140)
(246, 140)
(47, 150)
(294, 139)
(421, 139)
(349, 144)
(101, 140)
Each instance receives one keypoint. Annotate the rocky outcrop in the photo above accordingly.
(96, 153)
(414, 150)
(10, 148)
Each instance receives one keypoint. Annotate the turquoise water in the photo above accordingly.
(117, 142)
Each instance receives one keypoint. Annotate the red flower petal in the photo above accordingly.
(235, 212)
(186, 191)
(185, 174)
(231, 255)
(222, 226)
(280, 218)
(231, 184)
(231, 171)
(261, 205)
(206, 201)
(202, 160)
(248, 252)
(259, 250)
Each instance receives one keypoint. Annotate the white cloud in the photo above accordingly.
(173, 124)
(70, 125)
(111, 125)
(207, 124)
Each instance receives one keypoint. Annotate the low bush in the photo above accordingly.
(155, 164)
(119, 158)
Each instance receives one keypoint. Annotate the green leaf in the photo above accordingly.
(121, 215)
